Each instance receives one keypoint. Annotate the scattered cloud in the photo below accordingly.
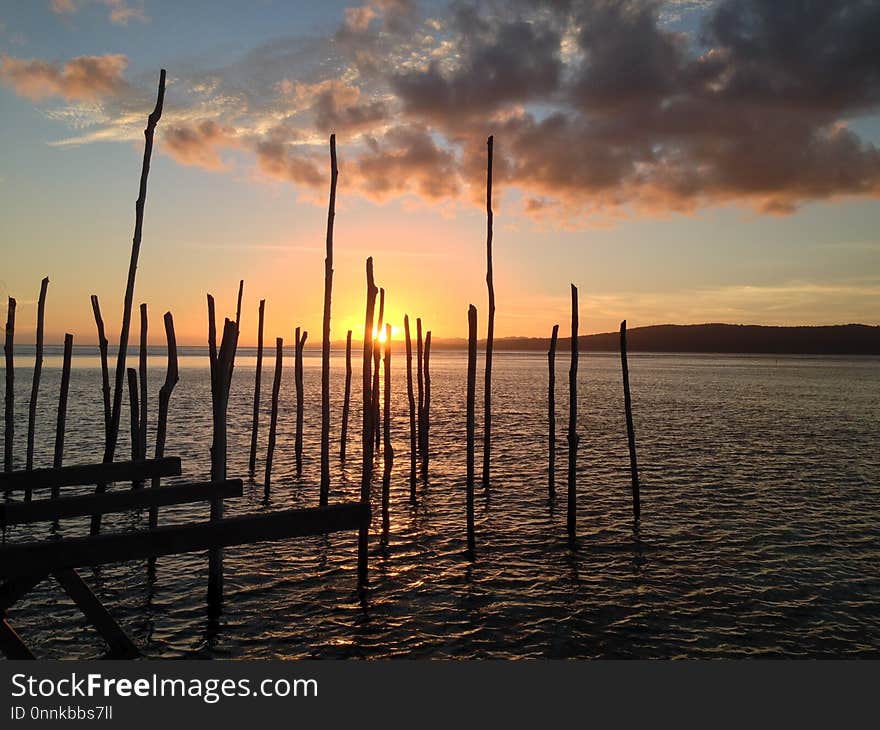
(82, 78)
(120, 11)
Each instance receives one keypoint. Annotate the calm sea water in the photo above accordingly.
(760, 530)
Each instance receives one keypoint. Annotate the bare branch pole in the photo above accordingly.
(149, 132)
(35, 385)
(420, 381)
(630, 429)
(573, 437)
(490, 332)
(389, 451)
(426, 426)
(325, 332)
(142, 373)
(135, 415)
(551, 415)
(252, 463)
(471, 407)
(58, 459)
(105, 376)
(237, 331)
(212, 334)
(343, 441)
(171, 378)
(367, 422)
(9, 403)
(273, 420)
(377, 352)
(299, 345)
(412, 411)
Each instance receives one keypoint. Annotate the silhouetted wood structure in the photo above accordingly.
(490, 327)
(426, 414)
(346, 403)
(134, 410)
(325, 331)
(9, 399)
(388, 456)
(273, 419)
(551, 414)
(171, 378)
(105, 375)
(377, 354)
(573, 437)
(420, 381)
(142, 378)
(630, 429)
(38, 369)
(299, 345)
(86, 474)
(367, 422)
(60, 423)
(252, 461)
(471, 408)
(412, 411)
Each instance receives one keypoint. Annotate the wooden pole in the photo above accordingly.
(105, 375)
(299, 345)
(273, 421)
(367, 422)
(426, 426)
(171, 378)
(142, 373)
(412, 411)
(389, 451)
(152, 121)
(630, 429)
(135, 415)
(252, 463)
(551, 415)
(237, 331)
(62, 406)
(420, 382)
(377, 352)
(573, 437)
(343, 442)
(212, 334)
(325, 332)
(9, 403)
(35, 385)
(471, 407)
(490, 332)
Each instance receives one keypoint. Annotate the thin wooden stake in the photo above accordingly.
(551, 415)
(299, 345)
(135, 415)
(426, 416)
(377, 352)
(142, 377)
(412, 411)
(343, 441)
(389, 451)
(171, 378)
(573, 437)
(9, 403)
(35, 386)
(105, 375)
(273, 421)
(490, 332)
(252, 463)
(630, 429)
(152, 121)
(471, 407)
(325, 332)
(367, 422)
(420, 382)
(62, 407)
(237, 331)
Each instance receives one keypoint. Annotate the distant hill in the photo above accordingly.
(846, 339)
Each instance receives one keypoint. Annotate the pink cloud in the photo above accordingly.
(84, 78)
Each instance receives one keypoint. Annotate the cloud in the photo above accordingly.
(199, 144)
(337, 106)
(82, 78)
(120, 12)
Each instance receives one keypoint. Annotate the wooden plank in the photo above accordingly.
(82, 474)
(51, 556)
(19, 513)
(121, 647)
(11, 644)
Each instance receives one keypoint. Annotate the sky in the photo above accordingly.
(683, 161)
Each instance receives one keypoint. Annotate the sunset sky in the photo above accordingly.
(681, 161)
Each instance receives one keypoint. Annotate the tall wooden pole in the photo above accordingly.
(412, 411)
(377, 353)
(573, 437)
(630, 429)
(152, 121)
(420, 381)
(490, 331)
(343, 441)
(142, 376)
(325, 333)
(273, 420)
(105, 376)
(171, 378)
(551, 415)
(60, 424)
(9, 403)
(388, 460)
(237, 331)
(299, 345)
(367, 427)
(471, 407)
(252, 462)
(135, 415)
(426, 415)
(35, 385)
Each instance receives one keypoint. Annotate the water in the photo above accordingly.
(759, 533)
